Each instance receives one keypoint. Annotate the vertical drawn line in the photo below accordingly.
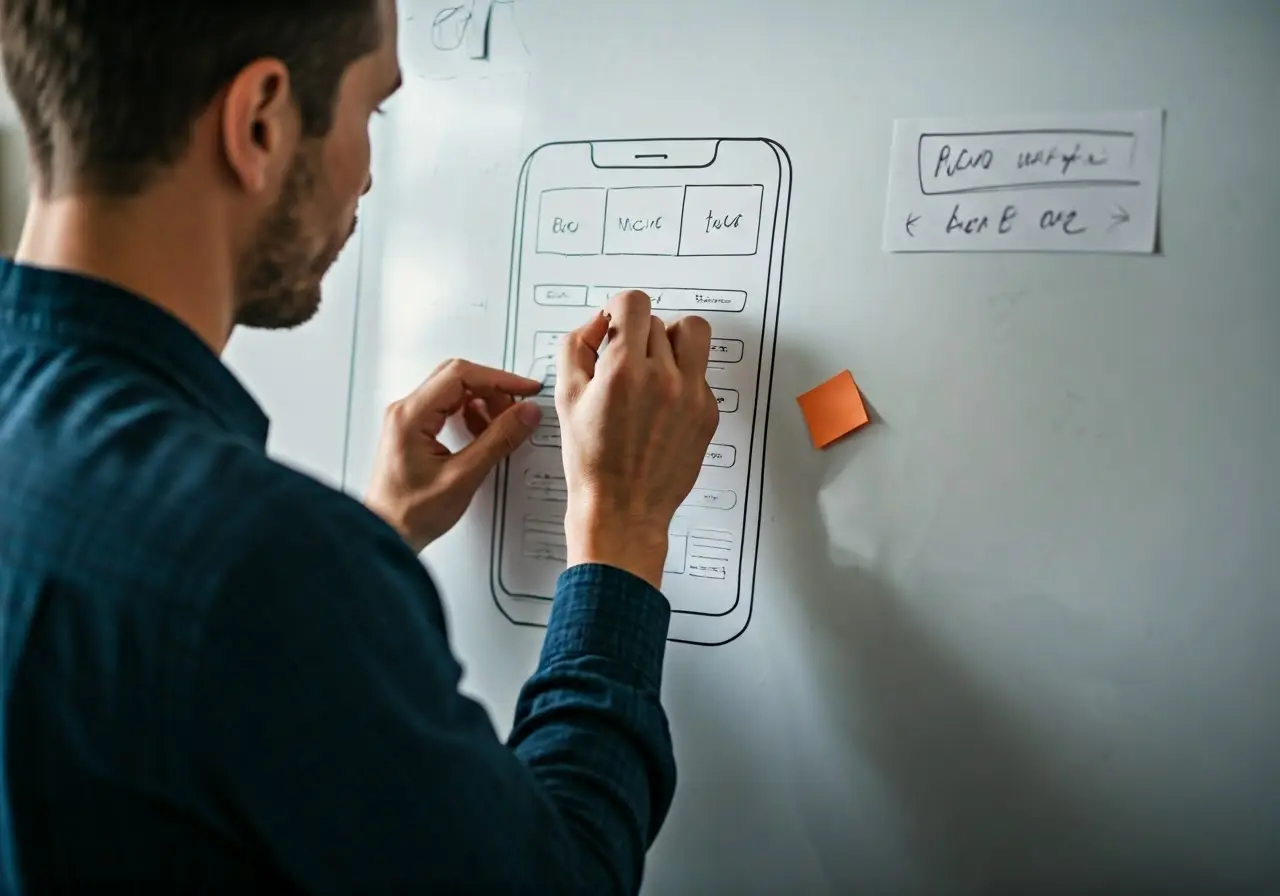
(351, 366)
(684, 203)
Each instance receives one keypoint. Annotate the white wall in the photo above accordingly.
(13, 173)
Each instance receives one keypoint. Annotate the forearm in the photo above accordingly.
(589, 723)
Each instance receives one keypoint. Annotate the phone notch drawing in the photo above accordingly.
(700, 225)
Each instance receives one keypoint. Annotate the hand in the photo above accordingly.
(419, 486)
(635, 423)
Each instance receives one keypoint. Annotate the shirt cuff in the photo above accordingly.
(607, 612)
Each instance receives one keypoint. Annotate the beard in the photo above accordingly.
(278, 284)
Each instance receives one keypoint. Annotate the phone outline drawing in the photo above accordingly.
(695, 160)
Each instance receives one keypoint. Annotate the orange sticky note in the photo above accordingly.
(833, 409)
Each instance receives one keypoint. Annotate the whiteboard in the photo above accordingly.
(1019, 634)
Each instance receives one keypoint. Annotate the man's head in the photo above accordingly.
(263, 106)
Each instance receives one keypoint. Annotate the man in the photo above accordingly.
(219, 675)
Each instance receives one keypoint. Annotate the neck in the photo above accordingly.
(159, 246)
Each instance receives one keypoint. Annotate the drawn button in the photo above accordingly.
(727, 350)
(713, 498)
(549, 294)
(571, 221)
(719, 456)
(643, 220)
(726, 400)
(721, 220)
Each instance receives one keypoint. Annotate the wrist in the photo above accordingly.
(395, 520)
(635, 546)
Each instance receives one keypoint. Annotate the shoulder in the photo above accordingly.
(298, 529)
(306, 549)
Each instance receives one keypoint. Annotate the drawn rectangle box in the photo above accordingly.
(557, 294)
(665, 298)
(982, 161)
(721, 220)
(544, 538)
(643, 220)
(571, 221)
(709, 553)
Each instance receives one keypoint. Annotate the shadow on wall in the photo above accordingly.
(984, 813)
(13, 186)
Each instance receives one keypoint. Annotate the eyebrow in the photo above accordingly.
(399, 82)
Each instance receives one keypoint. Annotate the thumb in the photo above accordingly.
(504, 434)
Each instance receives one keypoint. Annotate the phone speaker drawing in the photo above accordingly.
(700, 226)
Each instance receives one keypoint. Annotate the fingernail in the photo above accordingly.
(529, 413)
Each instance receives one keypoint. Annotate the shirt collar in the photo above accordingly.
(78, 308)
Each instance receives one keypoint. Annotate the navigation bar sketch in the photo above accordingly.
(678, 221)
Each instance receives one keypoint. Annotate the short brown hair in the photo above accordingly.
(108, 91)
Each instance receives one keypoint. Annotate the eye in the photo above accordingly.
(379, 111)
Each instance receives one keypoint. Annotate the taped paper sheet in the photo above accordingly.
(1065, 183)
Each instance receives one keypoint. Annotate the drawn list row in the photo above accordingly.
(699, 552)
(661, 298)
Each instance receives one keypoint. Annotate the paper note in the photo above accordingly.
(1063, 183)
(833, 409)
(699, 226)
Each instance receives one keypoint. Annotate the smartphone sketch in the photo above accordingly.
(699, 225)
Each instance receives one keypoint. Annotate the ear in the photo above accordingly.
(260, 125)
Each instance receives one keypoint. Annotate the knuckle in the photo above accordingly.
(696, 325)
(396, 413)
(631, 298)
(455, 366)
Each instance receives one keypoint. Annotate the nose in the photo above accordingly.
(368, 184)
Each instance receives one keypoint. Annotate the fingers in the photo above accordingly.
(690, 339)
(451, 385)
(660, 352)
(629, 315)
(476, 416)
(505, 433)
(576, 360)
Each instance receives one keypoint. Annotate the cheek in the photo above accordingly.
(349, 164)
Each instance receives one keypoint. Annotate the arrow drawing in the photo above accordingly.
(911, 220)
(1118, 217)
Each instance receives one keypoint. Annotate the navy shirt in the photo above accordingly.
(221, 676)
